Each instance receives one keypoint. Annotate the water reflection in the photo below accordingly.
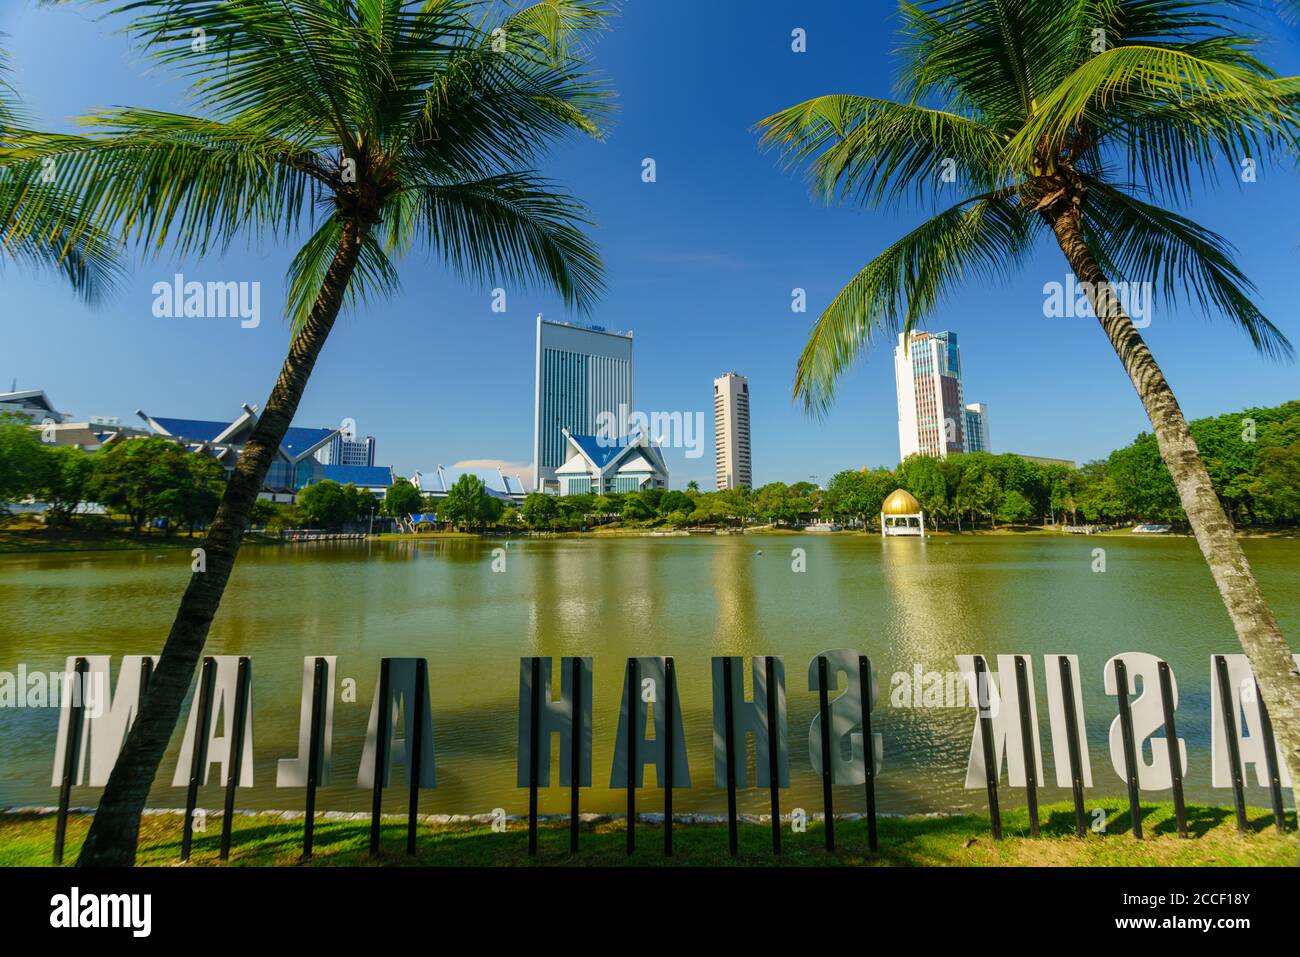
(903, 602)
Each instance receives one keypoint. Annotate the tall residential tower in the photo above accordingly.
(731, 431)
(582, 371)
(933, 417)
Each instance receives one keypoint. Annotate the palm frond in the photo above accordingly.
(43, 225)
(515, 226)
(193, 183)
(985, 235)
(375, 273)
(1187, 263)
(1124, 83)
(874, 151)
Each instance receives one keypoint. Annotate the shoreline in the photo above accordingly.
(274, 839)
(28, 544)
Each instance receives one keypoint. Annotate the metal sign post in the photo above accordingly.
(71, 756)
(1073, 745)
(986, 740)
(1171, 742)
(828, 799)
(381, 755)
(1028, 742)
(199, 757)
(1130, 748)
(314, 755)
(243, 686)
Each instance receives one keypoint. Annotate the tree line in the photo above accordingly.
(151, 482)
(1253, 457)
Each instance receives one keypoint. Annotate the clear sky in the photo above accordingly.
(701, 265)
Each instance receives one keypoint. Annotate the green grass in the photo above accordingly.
(24, 534)
(269, 840)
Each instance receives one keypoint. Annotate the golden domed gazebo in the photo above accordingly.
(901, 514)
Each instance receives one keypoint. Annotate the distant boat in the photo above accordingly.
(1151, 529)
(823, 527)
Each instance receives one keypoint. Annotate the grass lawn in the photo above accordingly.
(269, 839)
(26, 534)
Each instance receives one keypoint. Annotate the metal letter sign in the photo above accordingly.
(217, 747)
(293, 772)
(555, 718)
(846, 719)
(95, 717)
(1004, 715)
(401, 697)
(750, 717)
(652, 672)
(105, 717)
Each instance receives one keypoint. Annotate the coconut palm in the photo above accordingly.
(55, 232)
(378, 125)
(1078, 120)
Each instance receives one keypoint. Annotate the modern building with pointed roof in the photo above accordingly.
(294, 465)
(599, 466)
(583, 373)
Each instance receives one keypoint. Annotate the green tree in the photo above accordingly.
(361, 503)
(195, 501)
(22, 464)
(675, 501)
(143, 479)
(1015, 509)
(539, 510)
(1052, 136)
(491, 510)
(465, 504)
(637, 507)
(263, 513)
(921, 475)
(403, 499)
(379, 126)
(324, 504)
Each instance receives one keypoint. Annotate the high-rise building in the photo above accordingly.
(977, 428)
(348, 451)
(932, 414)
(582, 373)
(731, 431)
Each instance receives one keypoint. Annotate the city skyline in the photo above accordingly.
(702, 271)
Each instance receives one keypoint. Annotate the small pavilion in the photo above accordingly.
(901, 514)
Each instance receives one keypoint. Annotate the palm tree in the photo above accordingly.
(1060, 116)
(54, 231)
(383, 123)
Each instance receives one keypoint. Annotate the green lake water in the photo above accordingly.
(903, 602)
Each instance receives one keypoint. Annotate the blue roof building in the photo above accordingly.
(599, 465)
(376, 479)
(294, 465)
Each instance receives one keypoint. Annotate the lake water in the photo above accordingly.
(903, 602)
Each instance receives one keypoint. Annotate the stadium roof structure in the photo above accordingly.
(362, 476)
(205, 434)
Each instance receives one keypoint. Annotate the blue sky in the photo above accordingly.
(701, 265)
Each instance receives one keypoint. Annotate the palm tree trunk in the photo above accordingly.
(116, 826)
(1257, 629)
